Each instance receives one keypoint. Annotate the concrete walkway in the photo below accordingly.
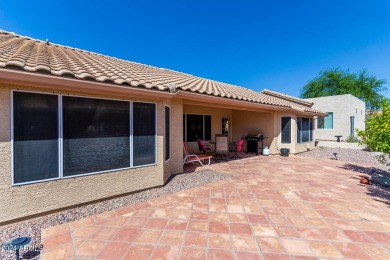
(272, 208)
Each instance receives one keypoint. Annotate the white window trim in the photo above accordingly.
(280, 138)
(60, 137)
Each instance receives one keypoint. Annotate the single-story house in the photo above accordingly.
(345, 114)
(77, 126)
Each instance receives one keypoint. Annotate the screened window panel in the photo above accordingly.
(35, 126)
(286, 130)
(194, 127)
(207, 128)
(167, 133)
(144, 133)
(305, 130)
(96, 135)
(299, 129)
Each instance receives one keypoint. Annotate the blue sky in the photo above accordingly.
(278, 45)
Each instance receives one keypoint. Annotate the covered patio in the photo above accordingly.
(271, 208)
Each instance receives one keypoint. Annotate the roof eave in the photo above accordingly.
(51, 82)
(287, 97)
(234, 103)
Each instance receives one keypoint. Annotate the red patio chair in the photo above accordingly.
(202, 146)
(237, 149)
(195, 158)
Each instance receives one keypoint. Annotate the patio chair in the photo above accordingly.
(221, 147)
(237, 149)
(195, 158)
(202, 146)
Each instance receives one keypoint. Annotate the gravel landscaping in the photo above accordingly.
(347, 155)
(379, 173)
(32, 228)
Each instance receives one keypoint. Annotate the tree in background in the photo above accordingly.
(377, 133)
(338, 82)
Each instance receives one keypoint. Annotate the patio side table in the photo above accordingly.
(338, 137)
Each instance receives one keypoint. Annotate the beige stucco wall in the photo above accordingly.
(26, 200)
(175, 164)
(293, 146)
(343, 107)
(249, 122)
(277, 129)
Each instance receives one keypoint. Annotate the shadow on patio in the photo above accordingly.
(380, 188)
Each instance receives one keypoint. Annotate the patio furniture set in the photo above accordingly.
(223, 149)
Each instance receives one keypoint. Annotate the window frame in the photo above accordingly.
(12, 139)
(204, 128)
(60, 138)
(311, 129)
(352, 126)
(132, 134)
(165, 133)
(281, 132)
(224, 125)
(324, 118)
(130, 137)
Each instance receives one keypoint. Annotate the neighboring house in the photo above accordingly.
(345, 114)
(77, 126)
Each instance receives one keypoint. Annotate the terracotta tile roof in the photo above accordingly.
(288, 97)
(38, 56)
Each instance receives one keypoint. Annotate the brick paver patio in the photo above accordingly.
(272, 208)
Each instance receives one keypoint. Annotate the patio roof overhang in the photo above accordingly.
(212, 101)
(53, 83)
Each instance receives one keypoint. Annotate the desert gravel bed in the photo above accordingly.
(347, 155)
(32, 228)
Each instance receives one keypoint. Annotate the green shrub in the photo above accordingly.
(377, 134)
(352, 139)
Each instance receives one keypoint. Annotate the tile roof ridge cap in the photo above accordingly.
(82, 50)
(19, 35)
(288, 97)
(50, 43)
(204, 78)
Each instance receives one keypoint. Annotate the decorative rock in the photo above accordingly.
(364, 180)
